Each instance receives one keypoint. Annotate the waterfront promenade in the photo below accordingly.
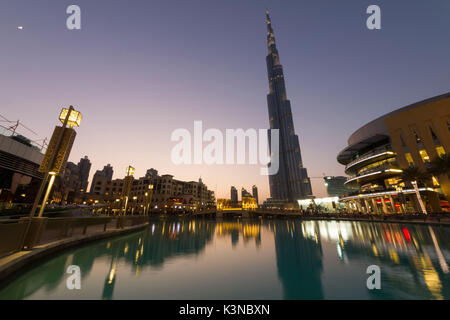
(22, 243)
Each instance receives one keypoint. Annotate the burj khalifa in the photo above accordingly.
(291, 182)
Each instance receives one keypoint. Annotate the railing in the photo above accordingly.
(14, 235)
(373, 170)
(373, 153)
(10, 133)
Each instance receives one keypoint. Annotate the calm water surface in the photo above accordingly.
(250, 259)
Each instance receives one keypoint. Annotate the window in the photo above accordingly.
(440, 151)
(435, 181)
(409, 159)
(405, 147)
(424, 155)
(434, 136)
(418, 140)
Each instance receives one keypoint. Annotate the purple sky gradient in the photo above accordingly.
(137, 70)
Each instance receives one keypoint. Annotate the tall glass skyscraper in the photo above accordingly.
(291, 182)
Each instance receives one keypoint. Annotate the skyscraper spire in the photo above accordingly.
(291, 182)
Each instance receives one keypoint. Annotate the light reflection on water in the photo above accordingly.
(250, 259)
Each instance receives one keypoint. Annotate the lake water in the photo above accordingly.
(250, 259)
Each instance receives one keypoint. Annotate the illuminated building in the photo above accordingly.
(336, 186)
(249, 203)
(378, 152)
(171, 195)
(292, 181)
(328, 204)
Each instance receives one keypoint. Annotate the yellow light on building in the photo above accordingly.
(74, 117)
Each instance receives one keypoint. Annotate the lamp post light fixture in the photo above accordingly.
(148, 197)
(127, 186)
(57, 153)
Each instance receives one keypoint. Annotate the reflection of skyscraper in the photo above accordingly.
(291, 182)
(84, 167)
(234, 237)
(299, 261)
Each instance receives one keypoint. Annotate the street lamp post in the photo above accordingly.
(134, 205)
(57, 153)
(127, 186)
(148, 196)
(419, 198)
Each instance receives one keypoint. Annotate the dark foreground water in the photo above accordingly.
(250, 259)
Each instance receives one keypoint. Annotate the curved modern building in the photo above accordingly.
(378, 152)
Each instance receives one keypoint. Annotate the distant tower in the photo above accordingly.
(234, 195)
(255, 193)
(108, 170)
(336, 186)
(245, 193)
(84, 167)
(151, 173)
(101, 177)
(291, 182)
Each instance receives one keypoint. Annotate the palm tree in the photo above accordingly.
(441, 165)
(415, 176)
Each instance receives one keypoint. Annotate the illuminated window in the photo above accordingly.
(440, 151)
(418, 140)
(409, 159)
(435, 181)
(424, 155)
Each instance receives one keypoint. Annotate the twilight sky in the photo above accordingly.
(138, 70)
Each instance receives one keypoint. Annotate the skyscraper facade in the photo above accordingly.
(292, 181)
(255, 193)
(84, 167)
(234, 195)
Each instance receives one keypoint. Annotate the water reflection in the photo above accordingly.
(312, 260)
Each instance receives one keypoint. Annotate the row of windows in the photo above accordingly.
(422, 152)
